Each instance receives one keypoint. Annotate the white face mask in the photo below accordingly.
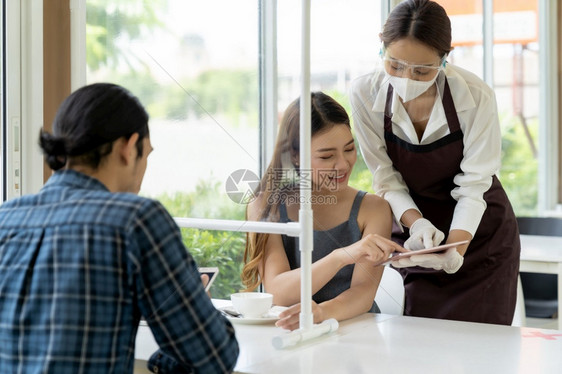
(408, 89)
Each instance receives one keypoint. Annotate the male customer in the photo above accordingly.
(86, 257)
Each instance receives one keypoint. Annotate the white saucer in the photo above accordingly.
(253, 321)
(269, 317)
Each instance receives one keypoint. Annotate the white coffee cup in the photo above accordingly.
(252, 304)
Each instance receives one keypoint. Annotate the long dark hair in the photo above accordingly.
(423, 20)
(89, 121)
(325, 114)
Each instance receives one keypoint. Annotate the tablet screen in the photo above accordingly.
(438, 249)
(211, 273)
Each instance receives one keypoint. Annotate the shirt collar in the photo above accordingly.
(72, 178)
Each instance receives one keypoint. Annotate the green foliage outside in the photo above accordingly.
(223, 249)
(519, 172)
(229, 92)
(128, 19)
(192, 99)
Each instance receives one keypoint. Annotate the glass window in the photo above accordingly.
(194, 66)
(516, 84)
(195, 70)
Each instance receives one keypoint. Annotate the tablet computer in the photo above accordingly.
(212, 273)
(438, 249)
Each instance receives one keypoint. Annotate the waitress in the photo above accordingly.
(430, 134)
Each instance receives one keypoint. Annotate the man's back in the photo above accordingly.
(79, 265)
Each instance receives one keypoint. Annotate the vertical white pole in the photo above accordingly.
(307, 328)
(268, 80)
(548, 108)
(305, 213)
(488, 41)
(77, 44)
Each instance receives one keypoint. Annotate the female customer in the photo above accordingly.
(350, 227)
(430, 134)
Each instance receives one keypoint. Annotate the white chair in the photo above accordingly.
(519, 316)
(390, 294)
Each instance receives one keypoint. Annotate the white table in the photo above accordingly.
(397, 344)
(543, 254)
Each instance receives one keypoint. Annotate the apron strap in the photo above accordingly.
(388, 109)
(450, 111)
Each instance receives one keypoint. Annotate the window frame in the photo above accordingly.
(11, 100)
(3, 95)
(22, 97)
(22, 81)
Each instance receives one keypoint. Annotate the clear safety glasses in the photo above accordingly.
(404, 69)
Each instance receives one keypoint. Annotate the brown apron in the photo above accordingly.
(485, 287)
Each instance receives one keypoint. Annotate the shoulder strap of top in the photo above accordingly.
(283, 216)
(356, 204)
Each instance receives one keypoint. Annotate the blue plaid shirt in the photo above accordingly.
(80, 265)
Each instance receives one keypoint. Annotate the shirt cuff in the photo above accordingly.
(468, 214)
(399, 202)
(162, 363)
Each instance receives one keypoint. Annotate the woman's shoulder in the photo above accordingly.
(252, 210)
(267, 203)
(255, 209)
(374, 212)
(370, 200)
(473, 81)
(366, 83)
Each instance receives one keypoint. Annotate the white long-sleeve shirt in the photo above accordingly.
(476, 109)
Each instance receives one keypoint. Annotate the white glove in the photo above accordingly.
(450, 261)
(423, 235)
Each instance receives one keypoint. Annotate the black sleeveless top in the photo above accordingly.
(325, 242)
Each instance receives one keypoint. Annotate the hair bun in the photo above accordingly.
(51, 144)
(54, 149)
